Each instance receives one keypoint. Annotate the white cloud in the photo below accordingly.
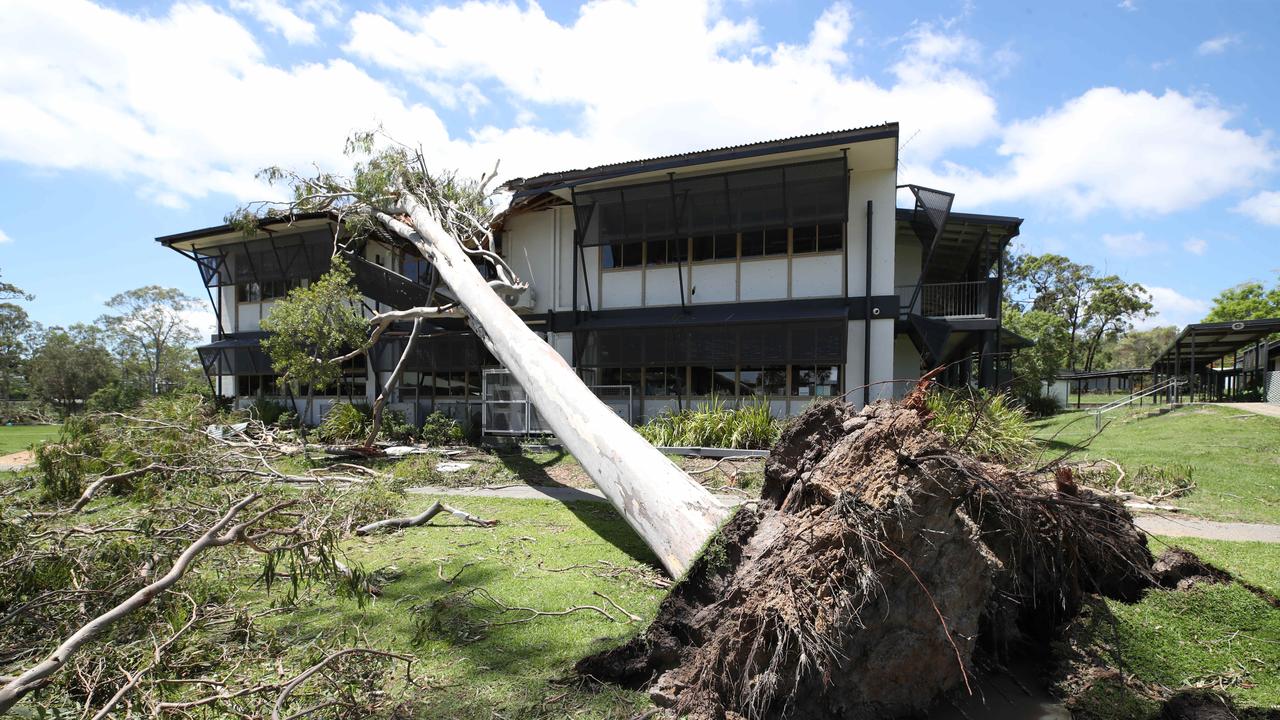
(279, 18)
(1132, 244)
(712, 84)
(1263, 207)
(1173, 308)
(205, 322)
(1129, 5)
(4, 238)
(1217, 45)
(1195, 246)
(1131, 151)
(181, 105)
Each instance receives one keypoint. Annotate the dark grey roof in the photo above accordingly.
(227, 227)
(546, 182)
(1202, 343)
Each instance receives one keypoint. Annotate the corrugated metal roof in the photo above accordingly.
(551, 180)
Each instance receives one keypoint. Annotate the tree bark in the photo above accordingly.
(673, 514)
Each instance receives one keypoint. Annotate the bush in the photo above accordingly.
(394, 427)
(712, 424)
(1040, 405)
(986, 425)
(440, 429)
(344, 422)
(116, 397)
(267, 411)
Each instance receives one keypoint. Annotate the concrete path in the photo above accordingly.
(1154, 524)
(537, 492)
(1259, 408)
(1208, 529)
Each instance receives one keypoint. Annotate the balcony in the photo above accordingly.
(972, 299)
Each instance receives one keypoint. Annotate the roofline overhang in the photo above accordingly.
(549, 182)
(228, 228)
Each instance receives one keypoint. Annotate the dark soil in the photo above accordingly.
(879, 568)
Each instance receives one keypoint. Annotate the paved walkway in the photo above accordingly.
(1154, 524)
(1259, 408)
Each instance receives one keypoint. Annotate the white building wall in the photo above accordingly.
(877, 186)
(817, 276)
(762, 280)
(906, 364)
(714, 282)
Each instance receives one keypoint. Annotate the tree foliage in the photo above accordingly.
(151, 336)
(313, 325)
(1246, 301)
(1137, 348)
(69, 365)
(15, 327)
(1093, 309)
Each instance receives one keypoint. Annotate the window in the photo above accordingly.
(621, 255)
(269, 290)
(664, 381)
(715, 247)
(764, 382)
(818, 238)
(820, 381)
(753, 243)
(257, 385)
(775, 241)
(830, 237)
(656, 252)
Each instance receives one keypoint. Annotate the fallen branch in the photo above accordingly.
(302, 677)
(423, 518)
(216, 536)
(136, 678)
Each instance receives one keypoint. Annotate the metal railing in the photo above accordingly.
(955, 299)
(1164, 386)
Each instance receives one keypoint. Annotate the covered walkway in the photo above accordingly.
(1221, 361)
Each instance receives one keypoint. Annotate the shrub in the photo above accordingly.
(440, 429)
(394, 427)
(1041, 405)
(344, 422)
(268, 411)
(713, 424)
(115, 397)
(986, 425)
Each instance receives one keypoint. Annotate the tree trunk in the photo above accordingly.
(673, 514)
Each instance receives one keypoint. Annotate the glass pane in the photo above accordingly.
(723, 382)
(700, 381)
(753, 243)
(632, 253)
(774, 382)
(704, 247)
(726, 247)
(610, 376)
(750, 381)
(804, 239)
(675, 381)
(631, 376)
(610, 255)
(657, 252)
(802, 380)
(830, 237)
(827, 380)
(678, 250)
(775, 241)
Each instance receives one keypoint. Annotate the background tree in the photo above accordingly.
(1092, 308)
(1042, 361)
(151, 336)
(14, 327)
(1137, 348)
(1246, 301)
(69, 365)
(1112, 308)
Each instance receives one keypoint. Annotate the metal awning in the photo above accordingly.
(967, 246)
(1203, 343)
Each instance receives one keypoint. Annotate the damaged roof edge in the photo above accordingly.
(227, 227)
(521, 187)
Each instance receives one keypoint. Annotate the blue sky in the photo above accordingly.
(1136, 136)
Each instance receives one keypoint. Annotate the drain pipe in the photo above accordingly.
(866, 323)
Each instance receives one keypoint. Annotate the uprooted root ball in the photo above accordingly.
(879, 562)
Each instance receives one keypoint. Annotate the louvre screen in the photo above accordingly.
(802, 194)
(809, 343)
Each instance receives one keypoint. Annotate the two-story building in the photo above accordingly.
(780, 271)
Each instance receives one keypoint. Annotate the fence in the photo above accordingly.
(1272, 384)
(507, 410)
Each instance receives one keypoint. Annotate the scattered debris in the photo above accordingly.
(403, 450)
(452, 466)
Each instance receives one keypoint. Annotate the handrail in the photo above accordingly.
(1117, 404)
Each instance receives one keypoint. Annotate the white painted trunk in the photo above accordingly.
(673, 514)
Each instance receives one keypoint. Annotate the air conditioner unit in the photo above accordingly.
(522, 302)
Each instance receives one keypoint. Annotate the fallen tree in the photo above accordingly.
(880, 564)
(447, 220)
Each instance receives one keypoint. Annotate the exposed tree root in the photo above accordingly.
(880, 562)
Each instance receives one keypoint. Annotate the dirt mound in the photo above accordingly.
(880, 562)
(1179, 569)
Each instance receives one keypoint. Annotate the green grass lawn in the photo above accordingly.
(1221, 637)
(21, 437)
(1233, 457)
(515, 670)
